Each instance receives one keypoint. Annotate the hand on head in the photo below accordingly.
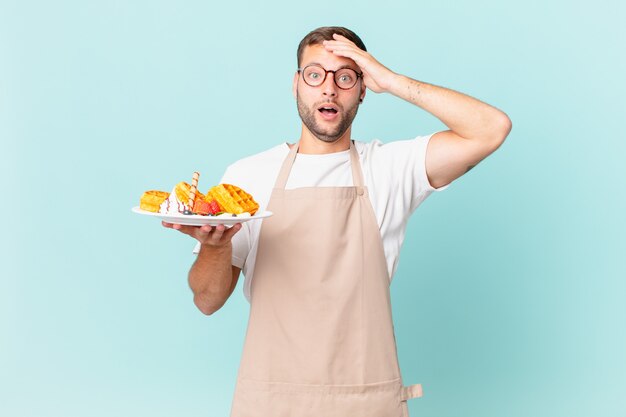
(376, 76)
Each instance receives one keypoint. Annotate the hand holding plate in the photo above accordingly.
(216, 236)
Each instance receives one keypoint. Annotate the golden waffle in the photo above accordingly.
(151, 200)
(233, 199)
(182, 191)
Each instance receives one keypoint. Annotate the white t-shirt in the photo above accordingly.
(394, 174)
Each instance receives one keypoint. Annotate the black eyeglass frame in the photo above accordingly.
(358, 75)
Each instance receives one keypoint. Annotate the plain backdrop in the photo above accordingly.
(509, 299)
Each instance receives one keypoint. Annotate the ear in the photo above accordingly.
(362, 96)
(294, 86)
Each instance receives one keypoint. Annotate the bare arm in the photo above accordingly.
(212, 278)
(476, 128)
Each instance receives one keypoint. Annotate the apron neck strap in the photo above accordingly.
(357, 174)
(283, 175)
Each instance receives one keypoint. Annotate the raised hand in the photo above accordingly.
(376, 76)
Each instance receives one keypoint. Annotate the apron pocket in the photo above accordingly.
(275, 399)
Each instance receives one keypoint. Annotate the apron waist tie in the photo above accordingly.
(412, 391)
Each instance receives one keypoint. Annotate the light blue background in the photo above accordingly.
(510, 296)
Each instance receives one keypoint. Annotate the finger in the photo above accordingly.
(338, 44)
(338, 36)
(188, 230)
(206, 228)
(332, 48)
(201, 233)
(231, 232)
(337, 51)
(353, 55)
(335, 42)
(218, 232)
(343, 38)
(346, 50)
(344, 47)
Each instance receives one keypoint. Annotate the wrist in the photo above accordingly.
(223, 249)
(397, 84)
(384, 82)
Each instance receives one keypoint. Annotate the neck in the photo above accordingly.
(312, 145)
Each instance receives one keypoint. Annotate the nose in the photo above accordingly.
(329, 88)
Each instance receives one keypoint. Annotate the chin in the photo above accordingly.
(328, 137)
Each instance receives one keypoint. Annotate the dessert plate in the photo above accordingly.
(198, 220)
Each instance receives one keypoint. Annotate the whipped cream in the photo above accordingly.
(173, 205)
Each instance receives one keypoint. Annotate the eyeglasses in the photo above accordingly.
(314, 75)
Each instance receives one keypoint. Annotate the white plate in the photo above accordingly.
(198, 220)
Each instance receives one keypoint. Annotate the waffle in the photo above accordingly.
(182, 191)
(232, 199)
(151, 200)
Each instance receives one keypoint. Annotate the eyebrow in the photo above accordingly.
(340, 68)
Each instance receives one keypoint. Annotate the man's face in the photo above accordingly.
(327, 125)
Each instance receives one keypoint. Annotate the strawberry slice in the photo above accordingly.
(201, 206)
(214, 207)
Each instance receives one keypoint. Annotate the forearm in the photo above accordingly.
(210, 277)
(466, 116)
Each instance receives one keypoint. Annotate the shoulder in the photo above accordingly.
(259, 164)
(256, 172)
(377, 152)
(400, 163)
(268, 157)
(379, 148)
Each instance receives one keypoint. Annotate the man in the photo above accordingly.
(320, 338)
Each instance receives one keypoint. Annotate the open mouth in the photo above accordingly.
(328, 110)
